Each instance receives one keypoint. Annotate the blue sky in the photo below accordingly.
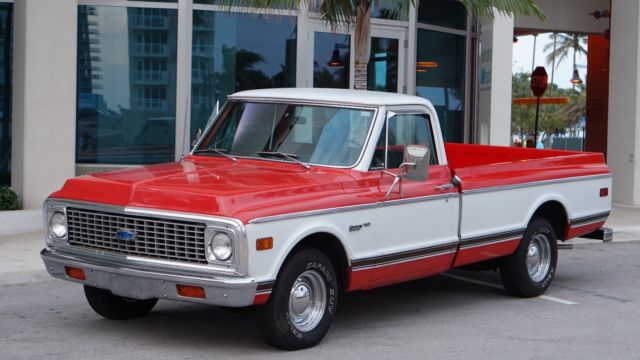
(523, 56)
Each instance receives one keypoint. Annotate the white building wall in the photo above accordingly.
(568, 16)
(44, 95)
(494, 99)
(623, 143)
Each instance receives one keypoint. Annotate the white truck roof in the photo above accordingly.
(336, 96)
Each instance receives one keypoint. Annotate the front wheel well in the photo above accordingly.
(556, 214)
(332, 247)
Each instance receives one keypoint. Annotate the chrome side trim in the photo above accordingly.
(490, 239)
(589, 219)
(489, 243)
(535, 183)
(342, 209)
(265, 287)
(420, 199)
(403, 256)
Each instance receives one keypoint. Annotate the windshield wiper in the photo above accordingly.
(291, 157)
(222, 152)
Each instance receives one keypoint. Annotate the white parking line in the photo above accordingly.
(496, 286)
(561, 301)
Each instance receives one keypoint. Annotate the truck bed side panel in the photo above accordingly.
(499, 198)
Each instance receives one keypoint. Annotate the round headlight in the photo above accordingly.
(58, 224)
(221, 246)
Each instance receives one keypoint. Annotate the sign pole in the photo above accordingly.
(535, 135)
(538, 87)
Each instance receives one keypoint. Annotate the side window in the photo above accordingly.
(399, 131)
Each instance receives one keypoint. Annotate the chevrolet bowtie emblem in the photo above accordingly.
(126, 235)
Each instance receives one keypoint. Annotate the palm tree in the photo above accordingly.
(358, 13)
(565, 44)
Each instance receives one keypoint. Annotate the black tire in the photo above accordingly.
(115, 307)
(514, 270)
(277, 324)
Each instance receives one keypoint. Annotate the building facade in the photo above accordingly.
(121, 83)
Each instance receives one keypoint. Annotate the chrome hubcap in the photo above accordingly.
(307, 301)
(539, 257)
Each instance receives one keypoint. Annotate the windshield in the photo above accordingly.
(311, 134)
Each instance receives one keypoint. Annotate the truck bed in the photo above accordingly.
(483, 166)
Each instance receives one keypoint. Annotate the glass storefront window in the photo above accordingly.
(440, 77)
(380, 9)
(126, 79)
(389, 10)
(382, 71)
(246, 5)
(235, 52)
(331, 60)
(6, 56)
(446, 13)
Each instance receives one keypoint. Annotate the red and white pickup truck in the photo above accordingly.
(292, 196)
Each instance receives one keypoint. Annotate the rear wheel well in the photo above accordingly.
(332, 248)
(556, 214)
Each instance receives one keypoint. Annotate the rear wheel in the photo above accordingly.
(115, 307)
(529, 271)
(303, 302)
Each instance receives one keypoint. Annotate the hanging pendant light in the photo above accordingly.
(335, 58)
(575, 80)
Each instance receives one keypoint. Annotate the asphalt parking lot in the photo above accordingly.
(592, 311)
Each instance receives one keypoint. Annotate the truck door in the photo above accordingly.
(416, 231)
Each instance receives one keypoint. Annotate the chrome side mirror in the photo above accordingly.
(415, 164)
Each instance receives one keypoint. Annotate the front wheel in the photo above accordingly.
(115, 307)
(303, 302)
(528, 272)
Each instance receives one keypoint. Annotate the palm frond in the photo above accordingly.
(565, 45)
(489, 8)
(335, 12)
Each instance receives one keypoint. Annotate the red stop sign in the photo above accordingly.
(539, 81)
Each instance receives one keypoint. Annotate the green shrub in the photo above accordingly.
(8, 199)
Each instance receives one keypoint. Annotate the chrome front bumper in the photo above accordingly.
(145, 281)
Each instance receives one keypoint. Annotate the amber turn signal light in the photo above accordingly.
(190, 291)
(75, 273)
(264, 243)
(604, 192)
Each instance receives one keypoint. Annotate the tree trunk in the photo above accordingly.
(574, 66)
(362, 43)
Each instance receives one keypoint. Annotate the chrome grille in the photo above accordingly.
(156, 238)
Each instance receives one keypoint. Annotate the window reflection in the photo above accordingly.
(126, 85)
(440, 78)
(390, 10)
(403, 130)
(235, 52)
(331, 60)
(447, 13)
(6, 38)
(380, 9)
(382, 71)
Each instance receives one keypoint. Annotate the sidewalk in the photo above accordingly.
(20, 260)
(625, 222)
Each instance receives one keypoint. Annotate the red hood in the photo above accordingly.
(246, 189)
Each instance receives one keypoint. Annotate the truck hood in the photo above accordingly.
(246, 189)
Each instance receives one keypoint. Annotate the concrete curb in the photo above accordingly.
(20, 221)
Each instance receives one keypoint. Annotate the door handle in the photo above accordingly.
(444, 187)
